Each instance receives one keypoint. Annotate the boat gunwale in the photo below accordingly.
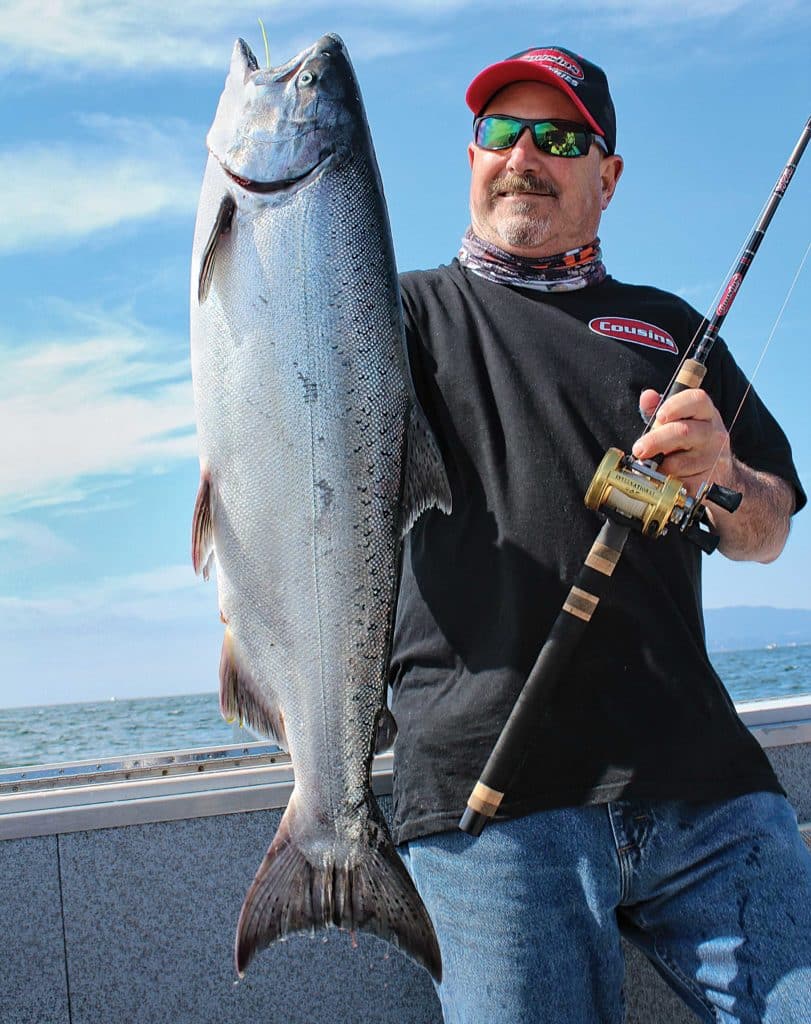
(111, 792)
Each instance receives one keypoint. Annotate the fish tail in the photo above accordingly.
(371, 891)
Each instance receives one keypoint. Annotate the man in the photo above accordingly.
(643, 806)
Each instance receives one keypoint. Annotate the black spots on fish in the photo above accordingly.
(310, 388)
(325, 495)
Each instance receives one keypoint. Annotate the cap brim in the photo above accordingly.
(488, 82)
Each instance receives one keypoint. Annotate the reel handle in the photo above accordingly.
(724, 497)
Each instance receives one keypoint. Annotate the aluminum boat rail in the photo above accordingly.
(171, 785)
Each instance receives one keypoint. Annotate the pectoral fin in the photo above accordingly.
(426, 482)
(202, 534)
(222, 226)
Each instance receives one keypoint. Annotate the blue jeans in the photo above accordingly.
(529, 915)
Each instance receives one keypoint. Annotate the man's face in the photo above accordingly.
(528, 202)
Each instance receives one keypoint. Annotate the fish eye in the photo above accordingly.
(306, 78)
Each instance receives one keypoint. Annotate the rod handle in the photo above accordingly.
(473, 822)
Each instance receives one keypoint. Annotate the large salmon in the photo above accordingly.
(315, 460)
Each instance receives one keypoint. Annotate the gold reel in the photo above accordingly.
(638, 492)
(637, 495)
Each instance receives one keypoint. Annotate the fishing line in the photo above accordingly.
(703, 323)
(265, 37)
(764, 350)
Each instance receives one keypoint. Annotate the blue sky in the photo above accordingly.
(105, 108)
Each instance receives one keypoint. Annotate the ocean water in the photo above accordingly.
(768, 672)
(74, 732)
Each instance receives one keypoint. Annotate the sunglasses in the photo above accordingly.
(557, 138)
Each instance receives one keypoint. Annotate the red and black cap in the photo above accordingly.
(583, 82)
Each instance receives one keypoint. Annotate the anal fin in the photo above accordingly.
(222, 226)
(242, 699)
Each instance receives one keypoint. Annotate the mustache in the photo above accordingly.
(521, 183)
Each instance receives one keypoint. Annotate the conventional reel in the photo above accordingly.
(636, 495)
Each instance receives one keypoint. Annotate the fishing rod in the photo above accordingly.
(633, 495)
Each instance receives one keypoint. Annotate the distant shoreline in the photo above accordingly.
(213, 696)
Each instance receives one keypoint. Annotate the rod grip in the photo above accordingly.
(554, 657)
(690, 375)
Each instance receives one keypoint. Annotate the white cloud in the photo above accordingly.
(71, 37)
(129, 35)
(86, 406)
(25, 544)
(154, 633)
(139, 34)
(123, 171)
(164, 594)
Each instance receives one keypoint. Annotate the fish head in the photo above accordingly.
(277, 128)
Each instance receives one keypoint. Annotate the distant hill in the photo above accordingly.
(741, 629)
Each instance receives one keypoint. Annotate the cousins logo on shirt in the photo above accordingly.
(622, 328)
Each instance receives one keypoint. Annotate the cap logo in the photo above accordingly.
(560, 63)
(638, 332)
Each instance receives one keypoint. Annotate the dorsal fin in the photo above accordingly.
(426, 482)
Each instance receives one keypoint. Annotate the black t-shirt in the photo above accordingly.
(526, 391)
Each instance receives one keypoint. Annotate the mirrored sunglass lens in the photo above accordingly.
(560, 141)
(497, 132)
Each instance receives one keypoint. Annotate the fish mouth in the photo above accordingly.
(282, 185)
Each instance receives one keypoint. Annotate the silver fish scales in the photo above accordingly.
(315, 460)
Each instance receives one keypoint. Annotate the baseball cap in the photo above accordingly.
(583, 82)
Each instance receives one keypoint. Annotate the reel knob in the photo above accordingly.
(724, 497)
